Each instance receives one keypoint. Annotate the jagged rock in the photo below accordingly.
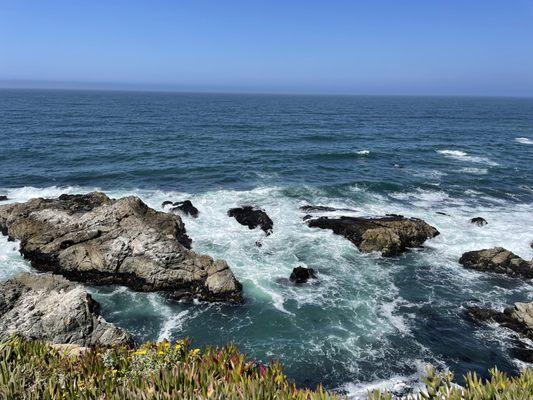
(390, 235)
(310, 208)
(302, 275)
(479, 221)
(50, 308)
(307, 217)
(518, 318)
(252, 218)
(3, 198)
(92, 238)
(498, 260)
(186, 207)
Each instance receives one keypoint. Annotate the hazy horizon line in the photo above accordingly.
(20, 84)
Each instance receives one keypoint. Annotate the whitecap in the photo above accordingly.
(463, 156)
(475, 171)
(524, 140)
(363, 152)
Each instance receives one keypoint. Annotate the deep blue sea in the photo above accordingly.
(368, 321)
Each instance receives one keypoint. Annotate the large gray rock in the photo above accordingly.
(391, 235)
(50, 308)
(92, 238)
(499, 260)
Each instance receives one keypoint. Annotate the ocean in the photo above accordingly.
(367, 321)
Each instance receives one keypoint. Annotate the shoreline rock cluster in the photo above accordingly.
(93, 239)
(97, 240)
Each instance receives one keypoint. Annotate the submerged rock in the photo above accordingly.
(50, 308)
(390, 235)
(252, 218)
(518, 318)
(302, 275)
(310, 208)
(479, 221)
(3, 198)
(185, 207)
(92, 238)
(498, 260)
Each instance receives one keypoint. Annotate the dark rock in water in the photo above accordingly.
(518, 318)
(389, 235)
(166, 203)
(441, 213)
(258, 243)
(92, 238)
(186, 207)
(309, 208)
(394, 215)
(252, 218)
(497, 260)
(50, 308)
(302, 274)
(522, 353)
(478, 221)
(3, 198)
(306, 217)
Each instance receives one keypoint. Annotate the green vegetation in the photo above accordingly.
(499, 387)
(35, 370)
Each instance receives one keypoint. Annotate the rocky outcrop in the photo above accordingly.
(479, 221)
(391, 235)
(92, 238)
(50, 308)
(184, 207)
(497, 260)
(3, 198)
(302, 275)
(518, 318)
(252, 218)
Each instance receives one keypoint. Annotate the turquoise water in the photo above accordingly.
(367, 321)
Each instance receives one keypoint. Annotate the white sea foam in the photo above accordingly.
(524, 140)
(463, 156)
(475, 171)
(355, 293)
(363, 152)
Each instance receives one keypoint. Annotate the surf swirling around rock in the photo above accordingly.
(101, 241)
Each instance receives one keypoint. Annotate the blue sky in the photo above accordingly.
(371, 47)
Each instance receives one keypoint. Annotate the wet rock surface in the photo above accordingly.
(498, 260)
(50, 308)
(184, 207)
(518, 318)
(3, 198)
(302, 275)
(308, 208)
(92, 238)
(391, 235)
(478, 221)
(252, 218)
